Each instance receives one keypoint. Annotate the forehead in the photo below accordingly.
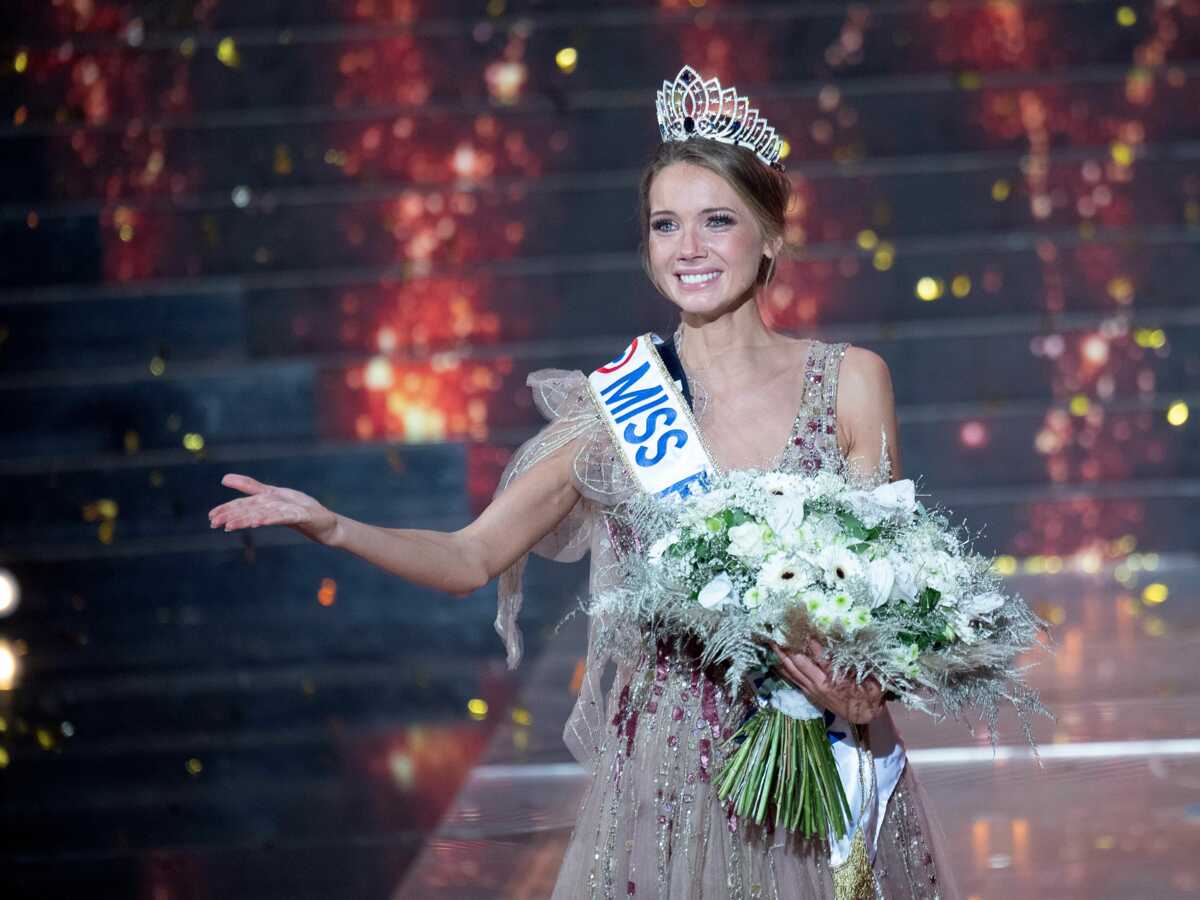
(684, 188)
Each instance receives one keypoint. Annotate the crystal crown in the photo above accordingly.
(692, 107)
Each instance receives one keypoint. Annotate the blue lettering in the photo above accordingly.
(668, 416)
(680, 438)
(681, 487)
(624, 396)
(624, 417)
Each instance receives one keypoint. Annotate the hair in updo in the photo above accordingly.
(765, 191)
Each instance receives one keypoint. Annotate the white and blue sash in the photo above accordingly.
(650, 422)
(638, 398)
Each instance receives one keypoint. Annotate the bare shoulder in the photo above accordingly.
(865, 399)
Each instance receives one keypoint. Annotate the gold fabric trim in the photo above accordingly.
(853, 880)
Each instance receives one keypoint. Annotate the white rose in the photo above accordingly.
(881, 578)
(717, 593)
(942, 572)
(892, 499)
(785, 517)
(904, 585)
(748, 540)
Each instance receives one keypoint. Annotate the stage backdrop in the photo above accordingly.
(322, 242)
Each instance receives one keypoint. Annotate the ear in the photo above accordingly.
(772, 247)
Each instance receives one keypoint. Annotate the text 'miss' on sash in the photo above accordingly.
(651, 422)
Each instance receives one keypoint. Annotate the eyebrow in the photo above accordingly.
(711, 209)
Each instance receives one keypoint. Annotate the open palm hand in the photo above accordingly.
(269, 504)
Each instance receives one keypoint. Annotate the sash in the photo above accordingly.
(650, 423)
(638, 397)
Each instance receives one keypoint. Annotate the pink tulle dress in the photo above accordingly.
(650, 824)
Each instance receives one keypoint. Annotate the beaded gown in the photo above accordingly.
(650, 734)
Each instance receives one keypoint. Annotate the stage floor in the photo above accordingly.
(1113, 813)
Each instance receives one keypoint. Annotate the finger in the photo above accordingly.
(223, 513)
(244, 483)
(799, 676)
(809, 669)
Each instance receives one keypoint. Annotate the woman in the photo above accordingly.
(712, 217)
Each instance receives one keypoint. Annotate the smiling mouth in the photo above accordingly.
(698, 279)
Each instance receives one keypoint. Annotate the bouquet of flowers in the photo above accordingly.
(887, 585)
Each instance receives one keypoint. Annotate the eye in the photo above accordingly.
(659, 225)
(721, 219)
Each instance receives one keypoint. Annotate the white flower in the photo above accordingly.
(786, 516)
(818, 532)
(984, 604)
(748, 540)
(881, 578)
(753, 597)
(783, 574)
(782, 484)
(711, 502)
(718, 592)
(904, 584)
(891, 499)
(906, 656)
(839, 565)
(825, 484)
(943, 572)
(856, 620)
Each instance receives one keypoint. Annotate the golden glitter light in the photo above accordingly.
(566, 59)
(929, 289)
(227, 53)
(1177, 413)
(960, 286)
(1126, 16)
(1154, 593)
(477, 708)
(885, 255)
(21, 61)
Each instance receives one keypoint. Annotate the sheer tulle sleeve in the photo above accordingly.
(575, 427)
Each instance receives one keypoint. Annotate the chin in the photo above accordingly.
(710, 304)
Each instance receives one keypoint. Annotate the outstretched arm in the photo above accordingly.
(456, 562)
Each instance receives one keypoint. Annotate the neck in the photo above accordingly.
(729, 345)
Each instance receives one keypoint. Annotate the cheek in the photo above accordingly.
(660, 251)
(743, 251)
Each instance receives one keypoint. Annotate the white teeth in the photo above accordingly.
(698, 279)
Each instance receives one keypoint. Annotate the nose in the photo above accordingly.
(691, 244)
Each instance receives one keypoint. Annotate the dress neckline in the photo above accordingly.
(781, 455)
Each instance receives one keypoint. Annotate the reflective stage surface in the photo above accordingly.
(1112, 812)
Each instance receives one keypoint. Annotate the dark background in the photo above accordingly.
(322, 242)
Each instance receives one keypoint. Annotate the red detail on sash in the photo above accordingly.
(628, 356)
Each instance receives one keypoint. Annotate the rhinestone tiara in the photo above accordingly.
(692, 107)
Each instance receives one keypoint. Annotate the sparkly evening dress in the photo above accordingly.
(650, 824)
